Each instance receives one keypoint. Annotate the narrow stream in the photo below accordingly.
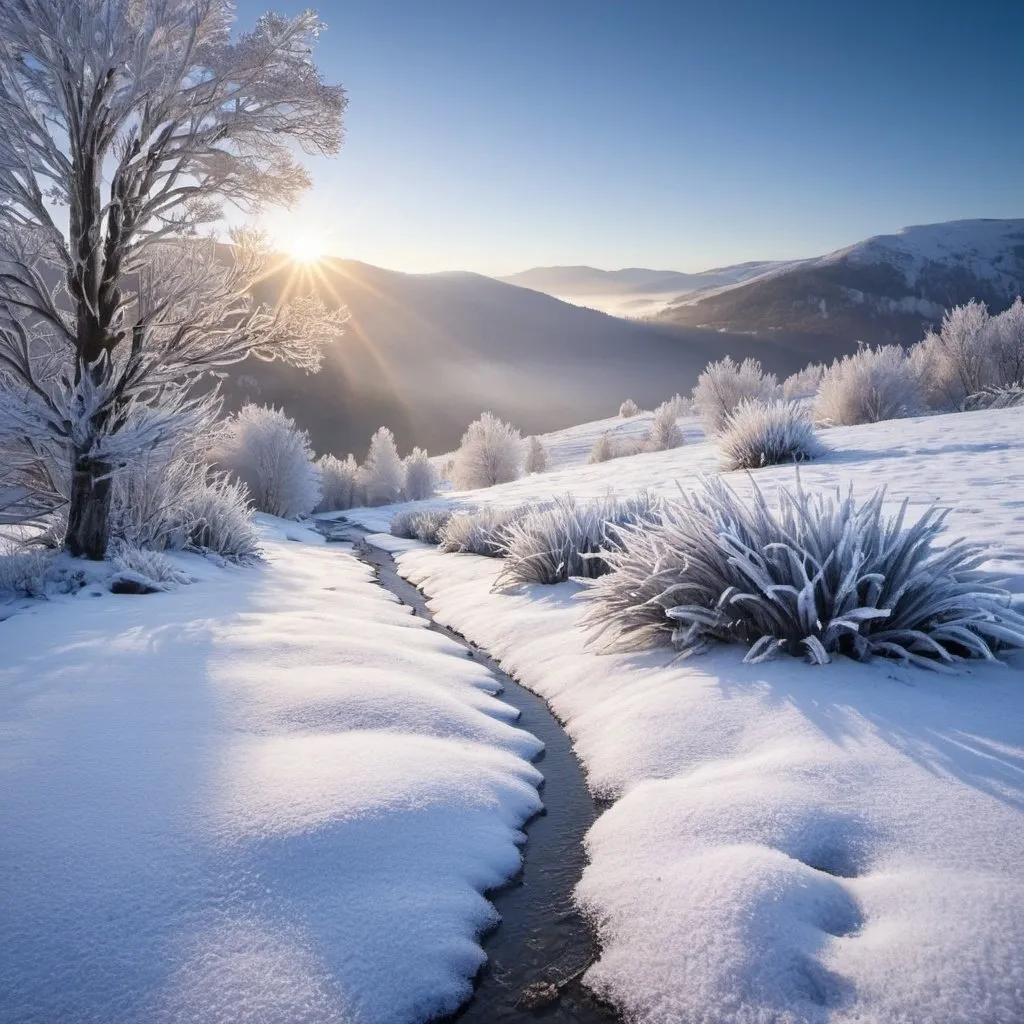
(537, 954)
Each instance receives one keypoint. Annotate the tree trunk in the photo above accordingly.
(89, 514)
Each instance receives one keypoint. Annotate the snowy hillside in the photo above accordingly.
(886, 288)
(787, 843)
(633, 292)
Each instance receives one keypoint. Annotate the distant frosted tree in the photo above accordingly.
(265, 450)
(382, 473)
(1008, 345)
(126, 126)
(804, 383)
(337, 482)
(536, 457)
(491, 452)
(629, 409)
(420, 476)
(723, 385)
(664, 432)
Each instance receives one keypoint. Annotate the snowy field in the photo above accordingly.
(272, 795)
(788, 843)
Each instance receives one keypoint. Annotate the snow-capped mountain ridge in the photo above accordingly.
(884, 288)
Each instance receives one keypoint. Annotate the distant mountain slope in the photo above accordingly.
(635, 291)
(426, 353)
(887, 288)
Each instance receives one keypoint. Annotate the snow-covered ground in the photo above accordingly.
(272, 795)
(788, 843)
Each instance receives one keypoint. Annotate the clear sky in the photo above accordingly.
(495, 135)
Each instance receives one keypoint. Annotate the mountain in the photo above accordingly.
(889, 288)
(427, 353)
(635, 291)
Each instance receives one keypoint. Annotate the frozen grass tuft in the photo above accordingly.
(424, 524)
(766, 434)
(822, 575)
(482, 531)
(148, 570)
(997, 397)
(219, 519)
(565, 539)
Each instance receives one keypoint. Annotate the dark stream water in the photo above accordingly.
(538, 952)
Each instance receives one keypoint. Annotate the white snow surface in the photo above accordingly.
(271, 796)
(788, 843)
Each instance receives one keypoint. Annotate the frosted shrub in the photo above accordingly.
(491, 452)
(804, 383)
(219, 519)
(337, 482)
(994, 398)
(822, 575)
(423, 524)
(265, 450)
(664, 433)
(146, 569)
(1007, 341)
(629, 409)
(766, 434)
(147, 504)
(603, 450)
(566, 539)
(723, 385)
(871, 385)
(536, 457)
(679, 405)
(24, 571)
(382, 473)
(482, 531)
(420, 476)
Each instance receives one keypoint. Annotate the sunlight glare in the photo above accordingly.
(306, 247)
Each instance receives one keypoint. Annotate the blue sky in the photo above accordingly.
(493, 136)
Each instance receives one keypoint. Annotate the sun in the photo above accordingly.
(306, 247)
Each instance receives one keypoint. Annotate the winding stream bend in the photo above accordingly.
(537, 954)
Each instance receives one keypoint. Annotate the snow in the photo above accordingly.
(273, 795)
(788, 843)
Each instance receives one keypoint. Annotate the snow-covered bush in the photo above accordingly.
(481, 531)
(536, 457)
(337, 482)
(820, 575)
(24, 570)
(679, 405)
(871, 385)
(265, 450)
(420, 476)
(766, 434)
(603, 450)
(994, 398)
(146, 569)
(219, 519)
(664, 432)
(723, 385)
(491, 452)
(804, 383)
(970, 353)
(148, 499)
(423, 524)
(565, 539)
(629, 409)
(382, 474)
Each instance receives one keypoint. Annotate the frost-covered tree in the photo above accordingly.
(265, 450)
(664, 433)
(1008, 346)
(337, 482)
(536, 457)
(629, 409)
(382, 473)
(420, 476)
(804, 383)
(491, 452)
(723, 385)
(126, 126)
(871, 385)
